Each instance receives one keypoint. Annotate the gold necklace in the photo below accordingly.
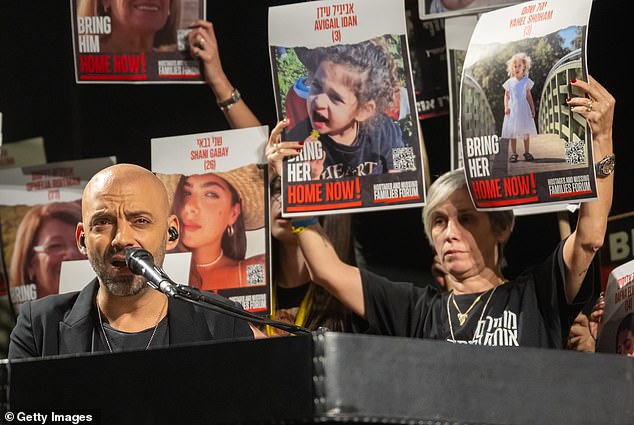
(453, 338)
(462, 317)
(158, 320)
(213, 262)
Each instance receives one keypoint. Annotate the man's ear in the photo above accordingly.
(365, 111)
(80, 238)
(172, 242)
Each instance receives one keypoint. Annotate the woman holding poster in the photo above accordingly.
(215, 210)
(535, 309)
(294, 297)
(204, 46)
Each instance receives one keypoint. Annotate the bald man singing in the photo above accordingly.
(123, 206)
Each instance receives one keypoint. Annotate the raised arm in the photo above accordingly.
(203, 45)
(587, 239)
(342, 280)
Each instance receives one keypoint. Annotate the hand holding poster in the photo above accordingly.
(131, 42)
(343, 81)
(522, 144)
(218, 192)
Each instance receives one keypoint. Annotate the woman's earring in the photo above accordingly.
(230, 230)
(106, 9)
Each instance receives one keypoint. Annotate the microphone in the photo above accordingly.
(141, 262)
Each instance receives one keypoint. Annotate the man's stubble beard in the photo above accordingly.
(124, 285)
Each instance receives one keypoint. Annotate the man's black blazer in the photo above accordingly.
(64, 324)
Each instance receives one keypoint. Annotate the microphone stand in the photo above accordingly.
(141, 262)
(200, 298)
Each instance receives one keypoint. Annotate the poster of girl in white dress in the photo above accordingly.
(522, 146)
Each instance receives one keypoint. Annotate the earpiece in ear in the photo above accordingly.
(82, 240)
(173, 232)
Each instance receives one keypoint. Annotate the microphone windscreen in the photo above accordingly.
(137, 259)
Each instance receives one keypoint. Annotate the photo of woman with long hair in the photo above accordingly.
(215, 211)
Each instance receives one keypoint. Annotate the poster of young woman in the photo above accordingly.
(39, 211)
(134, 42)
(219, 192)
(343, 79)
(522, 146)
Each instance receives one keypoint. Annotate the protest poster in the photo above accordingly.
(426, 40)
(127, 42)
(618, 245)
(522, 146)
(218, 189)
(39, 211)
(458, 31)
(22, 153)
(348, 63)
(435, 9)
(616, 330)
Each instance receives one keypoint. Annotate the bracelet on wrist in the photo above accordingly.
(227, 104)
(605, 167)
(298, 230)
(298, 226)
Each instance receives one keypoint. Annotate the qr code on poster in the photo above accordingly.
(575, 152)
(404, 158)
(255, 274)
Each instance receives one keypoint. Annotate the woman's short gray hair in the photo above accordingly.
(444, 187)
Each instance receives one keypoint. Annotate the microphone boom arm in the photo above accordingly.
(197, 297)
(141, 262)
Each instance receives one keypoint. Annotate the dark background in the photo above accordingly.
(39, 97)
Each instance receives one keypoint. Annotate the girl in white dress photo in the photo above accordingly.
(519, 109)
